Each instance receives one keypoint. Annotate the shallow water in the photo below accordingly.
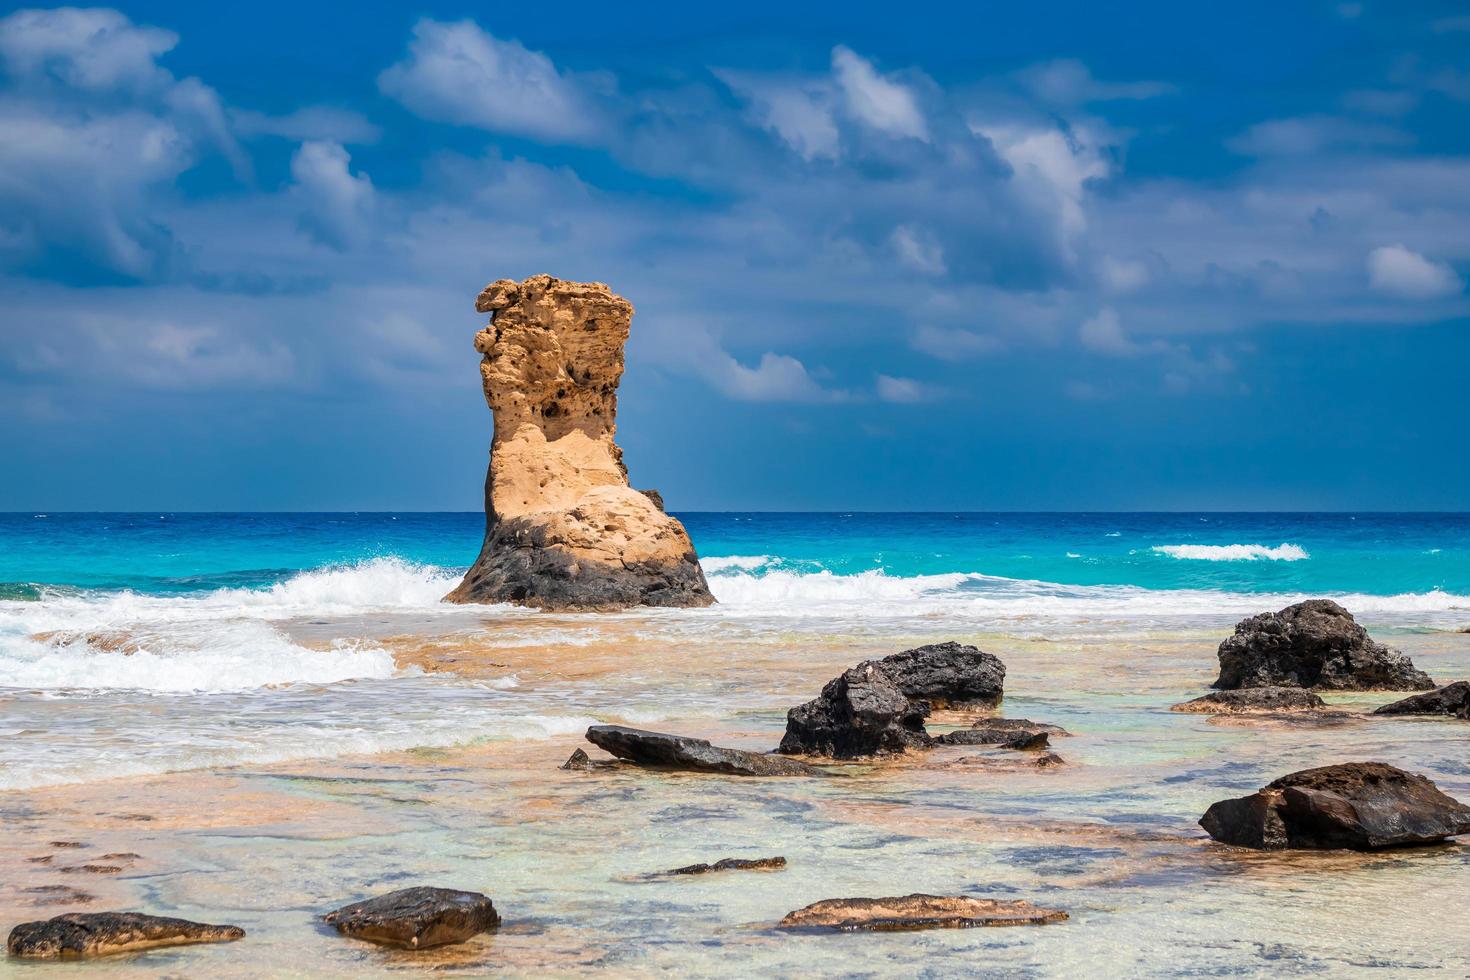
(270, 748)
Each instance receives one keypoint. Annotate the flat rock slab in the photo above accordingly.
(1002, 739)
(1251, 700)
(731, 864)
(417, 918)
(1452, 699)
(917, 912)
(86, 934)
(664, 751)
(1010, 763)
(1362, 806)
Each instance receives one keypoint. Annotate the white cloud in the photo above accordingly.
(1122, 275)
(801, 113)
(918, 250)
(954, 344)
(874, 100)
(458, 73)
(777, 378)
(1053, 168)
(1067, 81)
(307, 123)
(93, 50)
(1303, 135)
(1104, 334)
(904, 391)
(1402, 272)
(335, 203)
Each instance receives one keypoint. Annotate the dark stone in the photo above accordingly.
(1010, 763)
(1358, 805)
(1253, 699)
(1452, 699)
(858, 714)
(79, 934)
(917, 912)
(664, 751)
(1313, 644)
(416, 918)
(518, 564)
(1002, 731)
(732, 864)
(656, 497)
(948, 675)
(577, 760)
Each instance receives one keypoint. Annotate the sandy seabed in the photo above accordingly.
(1110, 837)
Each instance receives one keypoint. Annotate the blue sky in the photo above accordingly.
(989, 256)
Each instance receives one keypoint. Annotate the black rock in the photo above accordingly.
(1252, 700)
(731, 864)
(948, 675)
(416, 918)
(1358, 805)
(577, 760)
(80, 934)
(1003, 731)
(665, 751)
(1452, 699)
(858, 714)
(1313, 644)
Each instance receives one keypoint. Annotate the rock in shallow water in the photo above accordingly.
(80, 934)
(948, 675)
(1253, 699)
(1452, 699)
(1011, 733)
(1357, 805)
(917, 912)
(664, 751)
(417, 918)
(731, 864)
(860, 713)
(1313, 644)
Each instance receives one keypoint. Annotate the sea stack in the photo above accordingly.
(564, 530)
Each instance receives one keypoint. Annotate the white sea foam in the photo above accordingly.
(715, 565)
(1233, 552)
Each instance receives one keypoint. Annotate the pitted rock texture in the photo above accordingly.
(948, 675)
(1313, 644)
(564, 530)
(1452, 699)
(417, 918)
(858, 714)
(1358, 805)
(1253, 700)
(909, 912)
(85, 934)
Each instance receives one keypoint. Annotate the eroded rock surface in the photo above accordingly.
(1452, 699)
(948, 675)
(1016, 733)
(84, 934)
(664, 751)
(860, 713)
(731, 864)
(918, 912)
(1314, 644)
(563, 528)
(417, 918)
(1251, 700)
(1358, 805)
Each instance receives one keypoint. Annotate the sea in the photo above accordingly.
(301, 672)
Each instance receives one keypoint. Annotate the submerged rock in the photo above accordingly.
(948, 675)
(564, 530)
(577, 760)
(1251, 700)
(731, 864)
(1452, 699)
(665, 751)
(417, 918)
(79, 934)
(1011, 733)
(1358, 805)
(858, 714)
(917, 912)
(1313, 644)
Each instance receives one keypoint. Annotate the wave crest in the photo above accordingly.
(1233, 552)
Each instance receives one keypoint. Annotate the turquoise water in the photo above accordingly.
(1375, 554)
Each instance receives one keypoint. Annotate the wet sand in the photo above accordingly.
(1110, 837)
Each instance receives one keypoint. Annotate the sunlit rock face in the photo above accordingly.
(563, 528)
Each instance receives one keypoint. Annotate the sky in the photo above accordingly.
(1059, 256)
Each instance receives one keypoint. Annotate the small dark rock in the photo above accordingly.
(417, 918)
(92, 869)
(79, 934)
(58, 895)
(732, 864)
(1313, 644)
(948, 675)
(665, 751)
(1452, 699)
(858, 714)
(1358, 805)
(1002, 731)
(577, 760)
(655, 496)
(1253, 699)
(917, 912)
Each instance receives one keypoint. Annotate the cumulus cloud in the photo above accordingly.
(458, 73)
(800, 112)
(92, 50)
(877, 100)
(336, 204)
(1052, 167)
(1403, 272)
(904, 391)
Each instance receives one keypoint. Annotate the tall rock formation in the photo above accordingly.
(563, 528)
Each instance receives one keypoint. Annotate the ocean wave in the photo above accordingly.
(1232, 552)
(718, 564)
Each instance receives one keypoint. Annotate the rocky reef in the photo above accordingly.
(564, 530)
(1363, 806)
(1313, 644)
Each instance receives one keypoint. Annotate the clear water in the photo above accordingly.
(351, 733)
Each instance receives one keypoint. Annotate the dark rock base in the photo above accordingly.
(1452, 699)
(1253, 699)
(664, 751)
(85, 934)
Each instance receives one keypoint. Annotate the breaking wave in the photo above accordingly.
(1233, 552)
